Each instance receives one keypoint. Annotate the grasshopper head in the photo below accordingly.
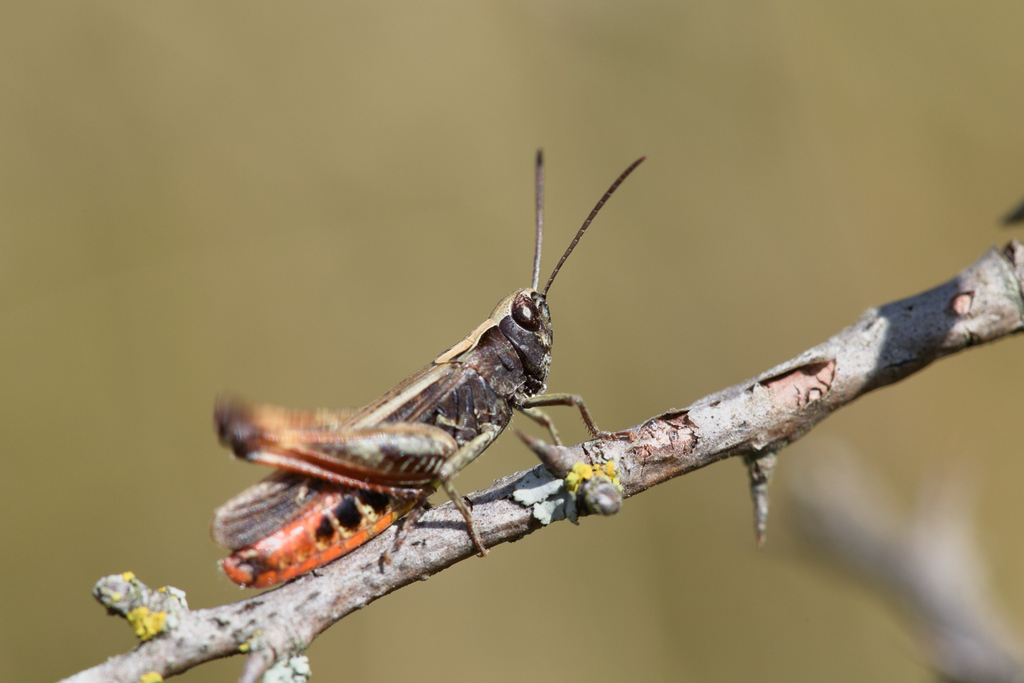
(524, 319)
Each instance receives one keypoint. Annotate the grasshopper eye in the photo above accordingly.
(525, 313)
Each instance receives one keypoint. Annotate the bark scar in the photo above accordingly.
(960, 304)
(665, 436)
(802, 386)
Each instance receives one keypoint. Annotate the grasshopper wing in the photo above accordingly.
(264, 508)
(398, 458)
(231, 413)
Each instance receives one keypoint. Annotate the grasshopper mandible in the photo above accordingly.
(345, 476)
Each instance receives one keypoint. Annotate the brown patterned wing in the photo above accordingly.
(398, 458)
(264, 508)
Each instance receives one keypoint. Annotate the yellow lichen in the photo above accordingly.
(151, 677)
(582, 471)
(146, 624)
(612, 474)
(247, 645)
(128, 576)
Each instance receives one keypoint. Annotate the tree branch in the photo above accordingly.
(754, 419)
(928, 563)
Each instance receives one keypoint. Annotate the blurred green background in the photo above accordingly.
(303, 203)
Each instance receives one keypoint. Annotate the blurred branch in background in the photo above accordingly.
(754, 420)
(928, 563)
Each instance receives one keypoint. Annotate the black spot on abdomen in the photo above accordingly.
(376, 500)
(348, 514)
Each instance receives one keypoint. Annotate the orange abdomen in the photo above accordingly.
(334, 523)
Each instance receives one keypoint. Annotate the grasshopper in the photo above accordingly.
(345, 476)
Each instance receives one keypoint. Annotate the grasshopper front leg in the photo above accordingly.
(530, 405)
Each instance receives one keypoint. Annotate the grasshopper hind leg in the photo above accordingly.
(462, 457)
(404, 526)
(460, 504)
(407, 523)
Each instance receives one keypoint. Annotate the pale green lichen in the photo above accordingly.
(546, 496)
(552, 499)
(291, 670)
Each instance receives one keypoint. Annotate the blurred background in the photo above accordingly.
(303, 204)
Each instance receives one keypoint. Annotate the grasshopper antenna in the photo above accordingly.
(586, 223)
(540, 218)
(1012, 218)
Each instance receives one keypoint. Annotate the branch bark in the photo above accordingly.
(754, 419)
